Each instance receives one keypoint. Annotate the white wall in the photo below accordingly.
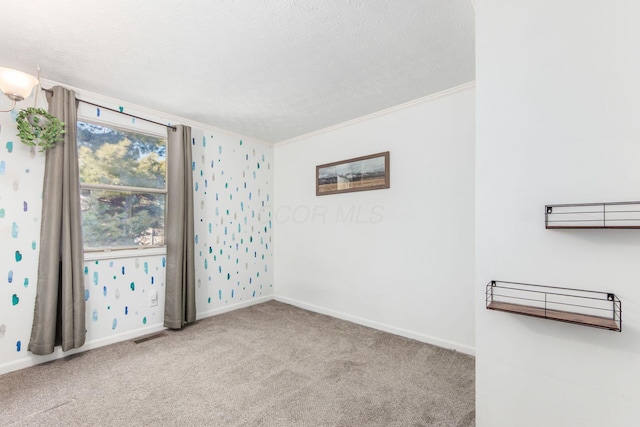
(399, 259)
(558, 122)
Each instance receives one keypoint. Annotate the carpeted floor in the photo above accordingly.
(266, 365)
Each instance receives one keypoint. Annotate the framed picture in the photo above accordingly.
(358, 174)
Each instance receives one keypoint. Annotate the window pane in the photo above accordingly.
(116, 157)
(112, 218)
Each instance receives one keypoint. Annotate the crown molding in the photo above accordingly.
(424, 99)
(173, 119)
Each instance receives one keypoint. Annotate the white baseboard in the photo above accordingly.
(31, 359)
(232, 307)
(462, 348)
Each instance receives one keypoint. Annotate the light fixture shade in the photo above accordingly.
(16, 84)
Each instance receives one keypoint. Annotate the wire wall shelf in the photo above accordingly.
(588, 308)
(593, 215)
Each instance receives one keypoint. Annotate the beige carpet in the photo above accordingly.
(267, 365)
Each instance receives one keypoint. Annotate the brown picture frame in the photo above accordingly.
(358, 174)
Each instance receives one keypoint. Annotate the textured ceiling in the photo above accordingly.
(270, 69)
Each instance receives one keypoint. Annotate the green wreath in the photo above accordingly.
(37, 128)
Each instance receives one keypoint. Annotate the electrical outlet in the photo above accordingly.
(153, 298)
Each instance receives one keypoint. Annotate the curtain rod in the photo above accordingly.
(118, 111)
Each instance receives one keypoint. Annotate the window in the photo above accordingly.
(123, 187)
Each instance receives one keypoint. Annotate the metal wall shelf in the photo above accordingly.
(588, 308)
(593, 215)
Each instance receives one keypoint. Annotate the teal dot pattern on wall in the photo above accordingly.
(120, 302)
(21, 176)
(233, 231)
(232, 219)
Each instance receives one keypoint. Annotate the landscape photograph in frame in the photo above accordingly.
(358, 174)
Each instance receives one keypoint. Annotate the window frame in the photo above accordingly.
(113, 252)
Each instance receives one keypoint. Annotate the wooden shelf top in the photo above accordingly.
(563, 316)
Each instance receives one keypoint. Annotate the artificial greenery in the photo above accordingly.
(37, 128)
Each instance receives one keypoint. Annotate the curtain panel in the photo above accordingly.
(59, 314)
(180, 298)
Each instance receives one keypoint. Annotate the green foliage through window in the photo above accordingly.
(110, 158)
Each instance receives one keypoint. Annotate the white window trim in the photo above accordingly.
(98, 254)
(102, 254)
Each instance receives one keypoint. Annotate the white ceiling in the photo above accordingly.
(269, 69)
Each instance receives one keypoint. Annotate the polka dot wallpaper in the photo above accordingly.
(233, 186)
(118, 294)
(21, 174)
(232, 182)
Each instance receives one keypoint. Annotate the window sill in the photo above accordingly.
(124, 253)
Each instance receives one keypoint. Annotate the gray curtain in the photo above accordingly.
(59, 310)
(180, 298)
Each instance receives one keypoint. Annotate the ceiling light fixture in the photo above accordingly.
(16, 85)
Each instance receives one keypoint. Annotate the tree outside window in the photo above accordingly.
(123, 187)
